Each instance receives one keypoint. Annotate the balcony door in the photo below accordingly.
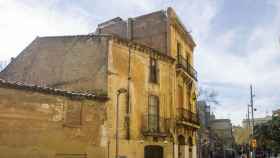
(153, 113)
(180, 96)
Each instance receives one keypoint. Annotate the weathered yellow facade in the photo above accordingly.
(157, 114)
(35, 123)
(140, 89)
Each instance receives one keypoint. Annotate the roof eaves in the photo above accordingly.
(53, 91)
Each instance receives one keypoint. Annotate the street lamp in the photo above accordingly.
(119, 92)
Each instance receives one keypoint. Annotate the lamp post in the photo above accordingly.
(119, 92)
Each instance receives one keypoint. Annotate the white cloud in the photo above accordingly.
(21, 23)
(23, 20)
(257, 64)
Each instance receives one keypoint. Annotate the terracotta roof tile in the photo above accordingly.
(49, 90)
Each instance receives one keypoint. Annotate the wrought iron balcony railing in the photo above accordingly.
(154, 125)
(186, 66)
(187, 116)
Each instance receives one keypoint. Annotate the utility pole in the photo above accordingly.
(248, 119)
(252, 113)
(249, 130)
(252, 107)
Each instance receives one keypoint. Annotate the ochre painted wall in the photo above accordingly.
(140, 87)
(32, 125)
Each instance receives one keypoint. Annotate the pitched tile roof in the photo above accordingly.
(52, 91)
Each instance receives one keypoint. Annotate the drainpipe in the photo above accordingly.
(128, 107)
(119, 92)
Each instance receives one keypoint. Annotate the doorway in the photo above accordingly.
(190, 142)
(153, 151)
(181, 146)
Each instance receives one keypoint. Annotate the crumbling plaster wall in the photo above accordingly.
(33, 125)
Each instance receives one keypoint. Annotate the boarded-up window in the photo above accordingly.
(73, 115)
(154, 71)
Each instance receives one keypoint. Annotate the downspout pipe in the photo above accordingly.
(128, 108)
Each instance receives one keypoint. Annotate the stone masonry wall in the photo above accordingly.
(149, 30)
(75, 63)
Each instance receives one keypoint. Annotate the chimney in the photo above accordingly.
(129, 29)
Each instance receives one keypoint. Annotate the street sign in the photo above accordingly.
(254, 143)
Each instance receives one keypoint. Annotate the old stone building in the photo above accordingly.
(128, 88)
(223, 128)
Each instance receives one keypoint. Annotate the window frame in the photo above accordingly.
(153, 71)
(151, 116)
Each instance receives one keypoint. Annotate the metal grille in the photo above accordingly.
(187, 115)
(184, 64)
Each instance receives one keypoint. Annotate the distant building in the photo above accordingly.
(212, 116)
(223, 128)
(257, 121)
(276, 113)
(204, 132)
(204, 114)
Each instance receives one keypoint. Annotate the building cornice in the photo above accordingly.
(174, 19)
(145, 49)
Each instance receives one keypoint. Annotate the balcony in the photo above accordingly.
(184, 115)
(154, 125)
(184, 64)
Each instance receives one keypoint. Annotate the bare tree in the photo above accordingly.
(209, 95)
(3, 64)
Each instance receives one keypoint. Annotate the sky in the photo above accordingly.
(238, 41)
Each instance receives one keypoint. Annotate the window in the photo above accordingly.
(180, 96)
(154, 72)
(153, 113)
(73, 116)
(179, 48)
(188, 58)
